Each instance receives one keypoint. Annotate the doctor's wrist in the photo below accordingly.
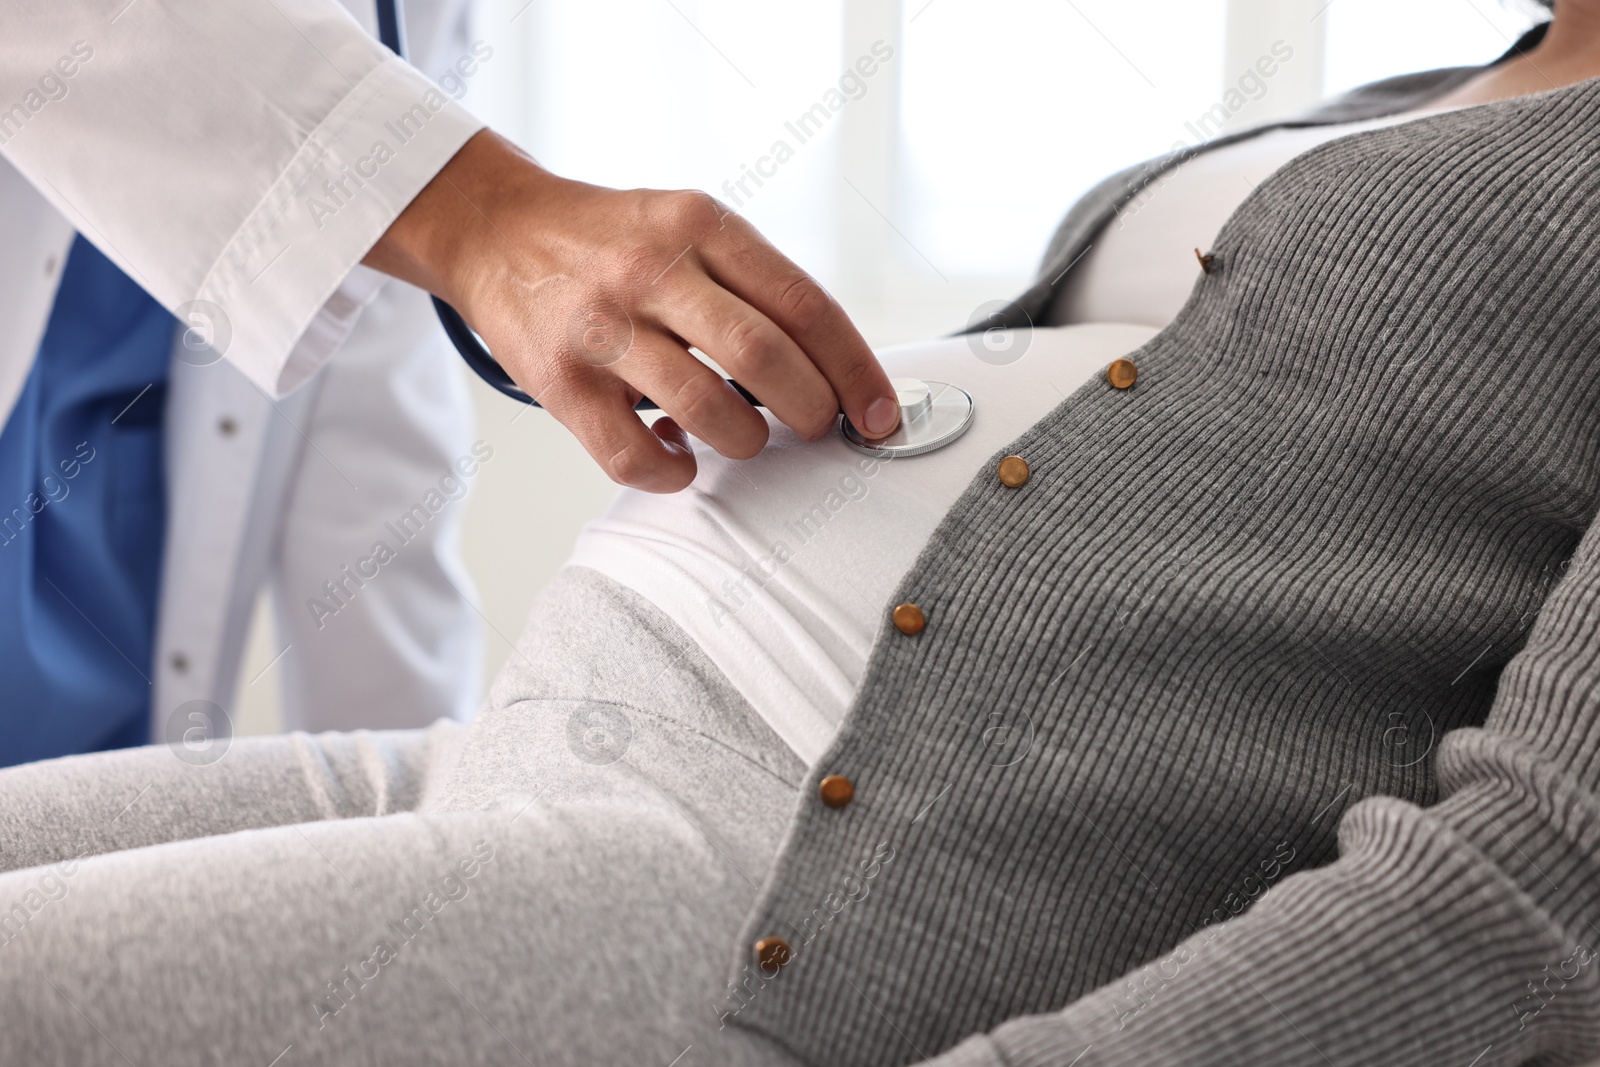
(444, 241)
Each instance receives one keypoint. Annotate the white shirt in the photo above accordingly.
(1142, 267)
(781, 567)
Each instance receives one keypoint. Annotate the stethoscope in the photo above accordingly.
(932, 414)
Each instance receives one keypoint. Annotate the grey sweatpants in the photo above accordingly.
(559, 883)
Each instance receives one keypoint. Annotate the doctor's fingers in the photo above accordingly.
(747, 265)
(598, 409)
(698, 398)
(751, 348)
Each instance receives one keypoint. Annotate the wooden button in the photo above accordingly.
(1122, 373)
(772, 953)
(1013, 472)
(909, 619)
(836, 790)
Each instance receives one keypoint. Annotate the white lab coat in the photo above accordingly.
(188, 143)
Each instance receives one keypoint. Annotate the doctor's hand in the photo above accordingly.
(590, 297)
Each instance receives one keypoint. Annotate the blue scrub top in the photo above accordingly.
(83, 520)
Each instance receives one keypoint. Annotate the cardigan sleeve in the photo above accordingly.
(1464, 933)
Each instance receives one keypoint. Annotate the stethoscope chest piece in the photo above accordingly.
(932, 414)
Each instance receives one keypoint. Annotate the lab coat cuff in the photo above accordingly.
(287, 289)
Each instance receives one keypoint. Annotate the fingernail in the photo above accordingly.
(882, 414)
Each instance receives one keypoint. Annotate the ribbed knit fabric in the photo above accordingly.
(1327, 548)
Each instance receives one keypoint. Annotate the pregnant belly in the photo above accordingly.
(781, 567)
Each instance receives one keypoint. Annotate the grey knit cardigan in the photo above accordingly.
(1262, 725)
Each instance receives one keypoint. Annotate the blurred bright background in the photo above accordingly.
(933, 189)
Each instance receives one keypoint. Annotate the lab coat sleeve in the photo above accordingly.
(1466, 932)
(237, 159)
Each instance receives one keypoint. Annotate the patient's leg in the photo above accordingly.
(85, 805)
(570, 896)
(563, 935)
